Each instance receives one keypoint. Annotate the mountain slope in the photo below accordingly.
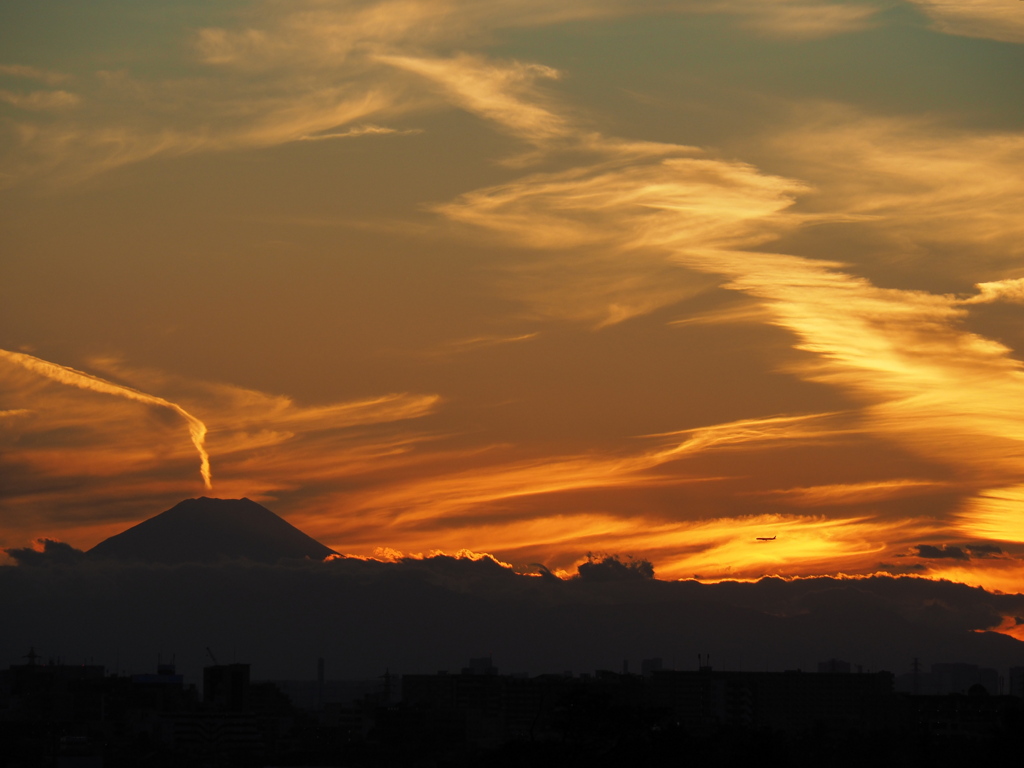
(209, 530)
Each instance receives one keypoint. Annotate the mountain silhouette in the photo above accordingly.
(210, 530)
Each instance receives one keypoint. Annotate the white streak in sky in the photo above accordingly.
(65, 375)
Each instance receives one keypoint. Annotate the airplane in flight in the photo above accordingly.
(765, 538)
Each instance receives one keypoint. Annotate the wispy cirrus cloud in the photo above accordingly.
(92, 142)
(994, 514)
(711, 549)
(605, 231)
(291, 72)
(266, 446)
(495, 91)
(857, 493)
(360, 130)
(1009, 290)
(473, 343)
(322, 34)
(70, 376)
(939, 390)
(85, 445)
(802, 20)
(34, 73)
(931, 189)
(518, 507)
(41, 100)
(992, 19)
(287, 73)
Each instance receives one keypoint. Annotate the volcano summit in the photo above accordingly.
(210, 530)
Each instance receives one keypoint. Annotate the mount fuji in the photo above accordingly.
(211, 530)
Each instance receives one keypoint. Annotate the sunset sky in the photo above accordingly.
(652, 278)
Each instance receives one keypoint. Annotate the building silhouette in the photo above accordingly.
(52, 714)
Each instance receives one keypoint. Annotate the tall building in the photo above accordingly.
(226, 687)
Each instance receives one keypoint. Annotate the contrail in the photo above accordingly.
(65, 375)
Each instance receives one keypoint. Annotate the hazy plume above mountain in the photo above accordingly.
(208, 530)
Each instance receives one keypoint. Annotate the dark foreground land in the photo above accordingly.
(77, 716)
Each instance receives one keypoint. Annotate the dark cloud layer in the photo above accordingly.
(951, 552)
(613, 568)
(421, 615)
(52, 552)
(941, 552)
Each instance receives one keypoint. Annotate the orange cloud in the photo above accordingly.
(87, 446)
(856, 493)
(493, 91)
(1010, 626)
(945, 393)
(1011, 290)
(990, 19)
(802, 545)
(994, 575)
(712, 550)
(41, 100)
(994, 514)
(643, 225)
(291, 72)
(450, 494)
(33, 73)
(801, 20)
(925, 185)
(65, 375)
